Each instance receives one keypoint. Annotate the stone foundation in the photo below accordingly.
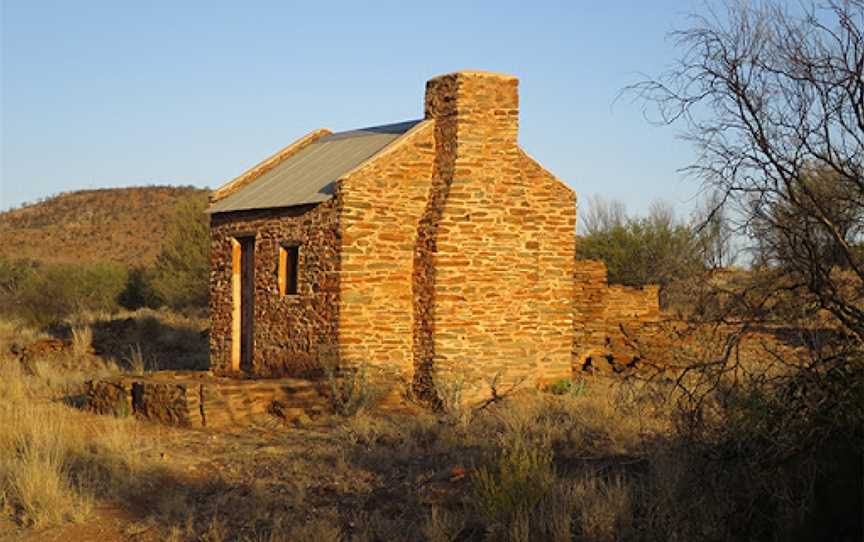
(195, 399)
(109, 396)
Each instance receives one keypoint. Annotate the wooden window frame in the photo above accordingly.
(288, 269)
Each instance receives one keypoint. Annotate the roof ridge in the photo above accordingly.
(391, 128)
(389, 147)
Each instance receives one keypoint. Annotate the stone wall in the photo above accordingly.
(590, 290)
(631, 307)
(198, 399)
(496, 251)
(631, 318)
(291, 331)
(607, 319)
(111, 396)
(172, 403)
(383, 201)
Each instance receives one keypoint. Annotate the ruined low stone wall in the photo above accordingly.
(629, 308)
(609, 320)
(112, 396)
(194, 399)
(168, 402)
(590, 289)
(233, 402)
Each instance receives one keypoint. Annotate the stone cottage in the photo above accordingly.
(427, 251)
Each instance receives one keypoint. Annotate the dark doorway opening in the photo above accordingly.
(247, 302)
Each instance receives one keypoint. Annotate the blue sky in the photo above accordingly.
(116, 93)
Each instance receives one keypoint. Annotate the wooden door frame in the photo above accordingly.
(237, 277)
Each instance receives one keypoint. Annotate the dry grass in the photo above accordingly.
(82, 340)
(148, 339)
(136, 363)
(562, 466)
(15, 332)
(609, 463)
(55, 461)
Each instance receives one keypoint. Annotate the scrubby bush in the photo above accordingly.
(655, 249)
(180, 274)
(349, 392)
(12, 274)
(138, 292)
(566, 386)
(513, 484)
(50, 293)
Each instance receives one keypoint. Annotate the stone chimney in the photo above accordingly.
(484, 106)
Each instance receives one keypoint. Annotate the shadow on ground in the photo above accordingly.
(160, 344)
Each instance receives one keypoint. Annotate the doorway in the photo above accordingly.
(243, 286)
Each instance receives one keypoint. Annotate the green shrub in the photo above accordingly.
(514, 484)
(12, 274)
(180, 275)
(138, 291)
(565, 386)
(450, 398)
(643, 251)
(49, 294)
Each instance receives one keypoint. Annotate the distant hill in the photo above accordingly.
(123, 225)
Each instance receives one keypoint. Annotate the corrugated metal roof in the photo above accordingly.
(310, 175)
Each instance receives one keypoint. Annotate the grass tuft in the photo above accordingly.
(349, 392)
(514, 484)
(82, 341)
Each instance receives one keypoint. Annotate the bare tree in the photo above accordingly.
(714, 231)
(781, 245)
(602, 214)
(656, 248)
(772, 96)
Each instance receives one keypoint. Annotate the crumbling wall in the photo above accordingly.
(609, 320)
(198, 399)
(631, 307)
(631, 317)
(590, 290)
(109, 396)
